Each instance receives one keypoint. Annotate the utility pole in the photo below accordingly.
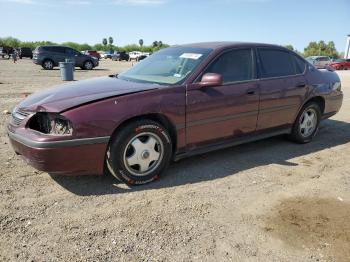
(347, 48)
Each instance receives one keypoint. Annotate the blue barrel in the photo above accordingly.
(67, 69)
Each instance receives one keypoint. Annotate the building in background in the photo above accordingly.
(347, 48)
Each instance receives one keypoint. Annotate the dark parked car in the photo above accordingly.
(6, 51)
(340, 64)
(181, 101)
(50, 56)
(120, 56)
(25, 52)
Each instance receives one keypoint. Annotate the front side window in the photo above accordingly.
(168, 66)
(233, 66)
(71, 52)
(275, 63)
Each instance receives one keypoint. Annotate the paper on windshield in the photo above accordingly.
(193, 56)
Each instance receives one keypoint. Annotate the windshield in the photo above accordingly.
(169, 66)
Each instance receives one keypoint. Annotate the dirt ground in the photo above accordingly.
(271, 200)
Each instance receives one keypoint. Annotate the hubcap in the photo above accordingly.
(308, 122)
(48, 64)
(143, 154)
(88, 65)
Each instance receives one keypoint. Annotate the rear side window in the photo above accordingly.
(233, 66)
(299, 64)
(275, 63)
(57, 49)
(323, 59)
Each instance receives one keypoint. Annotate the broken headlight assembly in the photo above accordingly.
(50, 123)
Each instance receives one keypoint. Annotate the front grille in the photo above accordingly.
(18, 116)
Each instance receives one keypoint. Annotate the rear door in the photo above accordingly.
(283, 87)
(230, 110)
(58, 53)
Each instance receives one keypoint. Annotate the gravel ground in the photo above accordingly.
(271, 200)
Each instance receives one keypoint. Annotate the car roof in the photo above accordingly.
(317, 56)
(227, 44)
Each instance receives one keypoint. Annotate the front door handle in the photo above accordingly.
(301, 84)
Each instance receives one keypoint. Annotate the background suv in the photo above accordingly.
(50, 56)
(319, 61)
(25, 52)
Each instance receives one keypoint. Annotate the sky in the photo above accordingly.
(178, 21)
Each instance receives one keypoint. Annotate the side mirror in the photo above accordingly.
(211, 79)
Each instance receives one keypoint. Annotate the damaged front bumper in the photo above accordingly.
(70, 157)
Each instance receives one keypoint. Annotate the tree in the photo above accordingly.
(160, 43)
(155, 44)
(290, 47)
(141, 42)
(104, 41)
(10, 42)
(110, 40)
(321, 48)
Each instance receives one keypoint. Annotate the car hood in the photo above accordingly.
(66, 96)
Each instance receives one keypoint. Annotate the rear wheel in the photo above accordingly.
(306, 124)
(140, 152)
(47, 64)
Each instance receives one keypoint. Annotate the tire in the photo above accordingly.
(341, 68)
(305, 129)
(48, 64)
(88, 65)
(139, 153)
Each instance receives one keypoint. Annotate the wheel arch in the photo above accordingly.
(157, 117)
(47, 59)
(319, 100)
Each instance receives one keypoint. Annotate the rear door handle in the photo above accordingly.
(300, 84)
(251, 92)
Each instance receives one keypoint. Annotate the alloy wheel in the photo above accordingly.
(308, 122)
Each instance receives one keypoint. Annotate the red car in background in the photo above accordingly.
(93, 54)
(341, 64)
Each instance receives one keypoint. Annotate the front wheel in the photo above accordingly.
(88, 65)
(140, 152)
(306, 124)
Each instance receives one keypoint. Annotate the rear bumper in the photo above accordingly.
(333, 105)
(68, 157)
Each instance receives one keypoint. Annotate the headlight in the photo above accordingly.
(51, 123)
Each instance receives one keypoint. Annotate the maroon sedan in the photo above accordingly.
(181, 101)
(341, 64)
(93, 53)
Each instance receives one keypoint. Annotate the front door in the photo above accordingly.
(214, 114)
